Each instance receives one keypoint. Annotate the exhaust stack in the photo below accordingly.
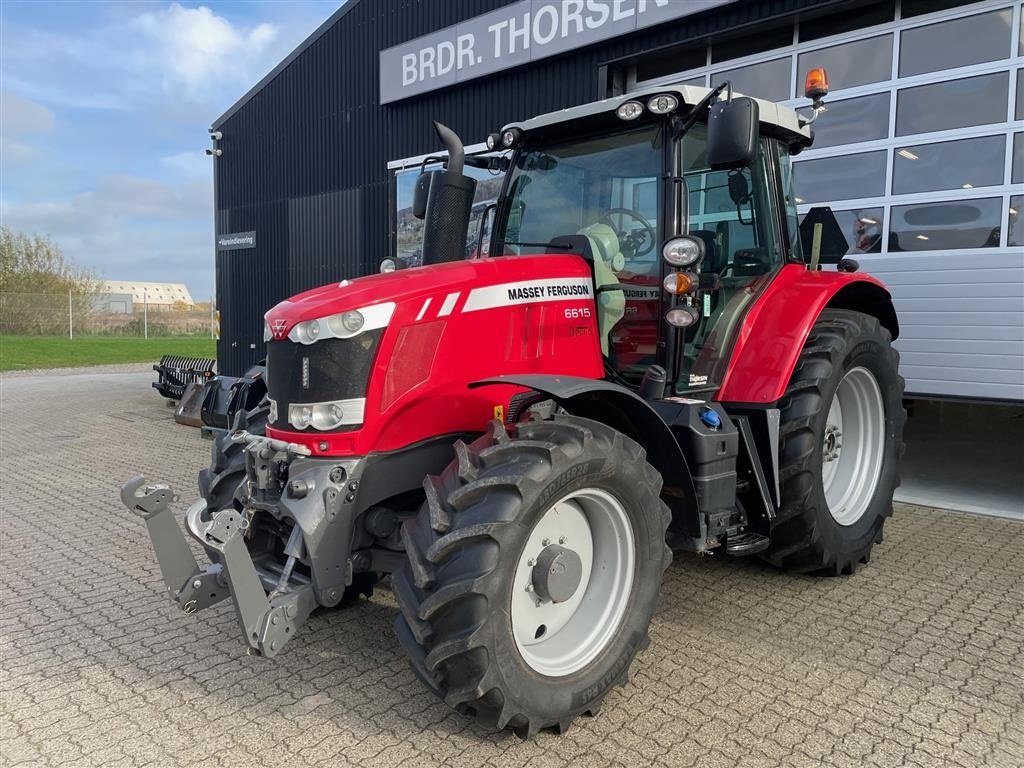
(449, 204)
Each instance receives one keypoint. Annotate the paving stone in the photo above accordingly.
(916, 660)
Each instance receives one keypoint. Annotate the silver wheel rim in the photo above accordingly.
(853, 446)
(557, 639)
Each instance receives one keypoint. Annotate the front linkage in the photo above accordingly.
(272, 600)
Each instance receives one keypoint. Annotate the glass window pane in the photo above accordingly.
(1018, 110)
(955, 43)
(850, 64)
(1015, 221)
(840, 178)
(845, 122)
(769, 80)
(814, 27)
(863, 229)
(963, 164)
(953, 104)
(1017, 174)
(945, 226)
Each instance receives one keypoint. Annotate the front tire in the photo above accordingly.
(840, 443)
(568, 497)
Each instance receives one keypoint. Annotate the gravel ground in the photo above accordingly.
(916, 660)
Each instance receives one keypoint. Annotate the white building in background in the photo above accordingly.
(153, 294)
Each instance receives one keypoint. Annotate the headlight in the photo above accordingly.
(683, 251)
(272, 415)
(300, 416)
(326, 416)
(682, 317)
(343, 325)
(267, 333)
(509, 137)
(630, 110)
(663, 103)
(346, 323)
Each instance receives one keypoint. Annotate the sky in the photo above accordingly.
(104, 115)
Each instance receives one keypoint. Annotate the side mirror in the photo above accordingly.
(732, 133)
(421, 193)
(822, 237)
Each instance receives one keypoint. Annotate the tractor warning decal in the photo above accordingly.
(529, 292)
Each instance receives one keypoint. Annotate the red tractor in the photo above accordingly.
(642, 362)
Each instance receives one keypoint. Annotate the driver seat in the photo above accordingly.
(611, 304)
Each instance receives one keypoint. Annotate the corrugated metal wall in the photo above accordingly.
(304, 160)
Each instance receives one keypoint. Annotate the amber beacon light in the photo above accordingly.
(816, 84)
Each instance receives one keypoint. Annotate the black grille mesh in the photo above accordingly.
(329, 369)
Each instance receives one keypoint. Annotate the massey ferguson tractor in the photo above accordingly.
(645, 356)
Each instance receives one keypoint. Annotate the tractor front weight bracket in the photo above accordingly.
(267, 623)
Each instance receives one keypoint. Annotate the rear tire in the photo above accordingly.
(461, 592)
(840, 444)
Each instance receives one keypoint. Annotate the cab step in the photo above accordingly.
(748, 543)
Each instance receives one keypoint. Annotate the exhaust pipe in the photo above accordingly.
(449, 204)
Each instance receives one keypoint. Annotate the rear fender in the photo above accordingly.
(623, 410)
(777, 325)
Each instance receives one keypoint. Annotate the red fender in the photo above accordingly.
(777, 325)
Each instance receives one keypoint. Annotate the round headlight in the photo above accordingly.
(679, 282)
(683, 251)
(682, 317)
(493, 141)
(345, 323)
(300, 416)
(630, 110)
(663, 103)
(509, 138)
(307, 332)
(388, 265)
(327, 416)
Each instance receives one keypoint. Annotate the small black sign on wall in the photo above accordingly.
(236, 241)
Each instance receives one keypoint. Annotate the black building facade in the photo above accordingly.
(305, 153)
(921, 153)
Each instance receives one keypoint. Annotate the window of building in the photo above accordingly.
(1017, 170)
(1018, 111)
(759, 41)
(843, 177)
(850, 64)
(962, 164)
(837, 22)
(677, 59)
(1015, 221)
(956, 43)
(865, 118)
(767, 80)
(978, 101)
(863, 228)
(950, 225)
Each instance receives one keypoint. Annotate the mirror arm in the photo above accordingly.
(694, 115)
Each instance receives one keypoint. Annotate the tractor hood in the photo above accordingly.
(444, 286)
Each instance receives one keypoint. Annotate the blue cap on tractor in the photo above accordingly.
(710, 418)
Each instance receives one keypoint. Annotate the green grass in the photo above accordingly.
(18, 353)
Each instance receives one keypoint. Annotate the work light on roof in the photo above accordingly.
(493, 141)
(630, 110)
(510, 137)
(662, 104)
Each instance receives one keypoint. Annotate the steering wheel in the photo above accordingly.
(638, 243)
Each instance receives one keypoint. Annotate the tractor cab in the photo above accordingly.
(680, 239)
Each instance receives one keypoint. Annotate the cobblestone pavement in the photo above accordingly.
(916, 660)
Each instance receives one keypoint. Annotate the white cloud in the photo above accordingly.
(198, 50)
(21, 122)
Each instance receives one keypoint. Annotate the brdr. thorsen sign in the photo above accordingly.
(514, 35)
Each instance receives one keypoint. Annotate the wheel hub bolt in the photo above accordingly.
(546, 542)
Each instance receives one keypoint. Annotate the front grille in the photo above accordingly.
(329, 369)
